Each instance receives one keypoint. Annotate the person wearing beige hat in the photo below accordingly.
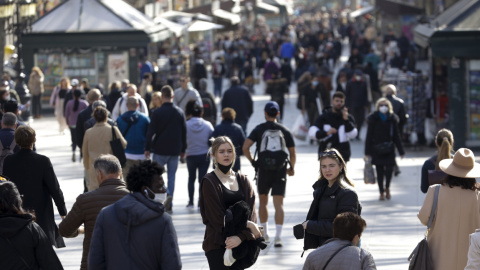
(457, 214)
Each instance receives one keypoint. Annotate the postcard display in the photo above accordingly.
(410, 88)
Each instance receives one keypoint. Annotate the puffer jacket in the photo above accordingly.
(134, 233)
(136, 135)
(29, 241)
(86, 208)
(327, 203)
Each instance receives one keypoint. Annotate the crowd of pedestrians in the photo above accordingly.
(125, 209)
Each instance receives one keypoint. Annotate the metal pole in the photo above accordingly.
(2, 44)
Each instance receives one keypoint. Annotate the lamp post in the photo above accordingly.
(16, 17)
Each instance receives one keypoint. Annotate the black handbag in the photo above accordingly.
(421, 258)
(384, 148)
(117, 148)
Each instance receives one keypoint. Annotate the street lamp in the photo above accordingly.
(18, 16)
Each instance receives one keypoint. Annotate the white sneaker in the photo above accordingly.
(267, 238)
(278, 242)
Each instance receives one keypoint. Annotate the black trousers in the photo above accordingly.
(384, 172)
(359, 114)
(215, 260)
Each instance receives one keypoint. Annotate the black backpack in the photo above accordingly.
(207, 105)
(272, 153)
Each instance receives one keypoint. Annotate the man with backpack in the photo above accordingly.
(7, 137)
(274, 145)
(121, 105)
(209, 107)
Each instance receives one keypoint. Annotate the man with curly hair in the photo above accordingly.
(135, 232)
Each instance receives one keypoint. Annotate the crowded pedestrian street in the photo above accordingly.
(392, 232)
(239, 134)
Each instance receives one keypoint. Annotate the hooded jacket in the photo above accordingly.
(134, 233)
(136, 135)
(29, 242)
(198, 133)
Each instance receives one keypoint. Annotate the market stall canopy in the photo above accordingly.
(184, 17)
(78, 16)
(198, 25)
(281, 3)
(174, 27)
(263, 7)
(458, 16)
(361, 12)
(397, 8)
(223, 14)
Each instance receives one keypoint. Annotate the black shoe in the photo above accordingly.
(397, 172)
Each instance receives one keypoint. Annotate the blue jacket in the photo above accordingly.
(7, 135)
(134, 233)
(136, 135)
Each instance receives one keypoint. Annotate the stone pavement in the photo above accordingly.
(393, 229)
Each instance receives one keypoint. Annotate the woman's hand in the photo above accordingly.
(304, 224)
(253, 227)
(232, 242)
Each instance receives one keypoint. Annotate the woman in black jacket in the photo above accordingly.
(333, 194)
(382, 137)
(23, 244)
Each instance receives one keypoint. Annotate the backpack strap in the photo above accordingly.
(333, 255)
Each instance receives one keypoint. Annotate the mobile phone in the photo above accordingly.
(262, 230)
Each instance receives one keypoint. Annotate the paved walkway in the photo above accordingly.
(393, 228)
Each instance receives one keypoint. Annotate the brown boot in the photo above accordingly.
(387, 191)
(382, 197)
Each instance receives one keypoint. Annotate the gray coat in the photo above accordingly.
(349, 258)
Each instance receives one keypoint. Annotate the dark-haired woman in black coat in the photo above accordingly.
(23, 244)
(382, 138)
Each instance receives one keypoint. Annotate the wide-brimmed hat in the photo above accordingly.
(462, 165)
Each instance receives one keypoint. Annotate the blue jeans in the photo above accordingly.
(195, 162)
(217, 86)
(171, 162)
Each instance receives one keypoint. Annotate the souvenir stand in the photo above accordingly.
(410, 88)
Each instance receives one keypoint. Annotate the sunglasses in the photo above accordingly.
(328, 153)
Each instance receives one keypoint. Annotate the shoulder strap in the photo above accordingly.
(18, 253)
(184, 95)
(434, 206)
(120, 106)
(333, 255)
(126, 130)
(114, 135)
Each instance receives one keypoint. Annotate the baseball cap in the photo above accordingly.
(74, 82)
(272, 108)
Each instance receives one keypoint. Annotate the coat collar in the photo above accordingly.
(324, 185)
(112, 182)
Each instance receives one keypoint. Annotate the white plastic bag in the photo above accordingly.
(228, 259)
(299, 129)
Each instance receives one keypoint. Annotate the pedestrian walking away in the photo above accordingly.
(136, 231)
(458, 197)
(274, 145)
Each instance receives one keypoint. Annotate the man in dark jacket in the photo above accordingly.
(167, 137)
(36, 181)
(208, 100)
(133, 126)
(87, 206)
(357, 99)
(239, 99)
(232, 130)
(135, 232)
(334, 128)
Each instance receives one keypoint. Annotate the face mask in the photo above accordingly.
(358, 78)
(160, 197)
(383, 109)
(315, 83)
(224, 169)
